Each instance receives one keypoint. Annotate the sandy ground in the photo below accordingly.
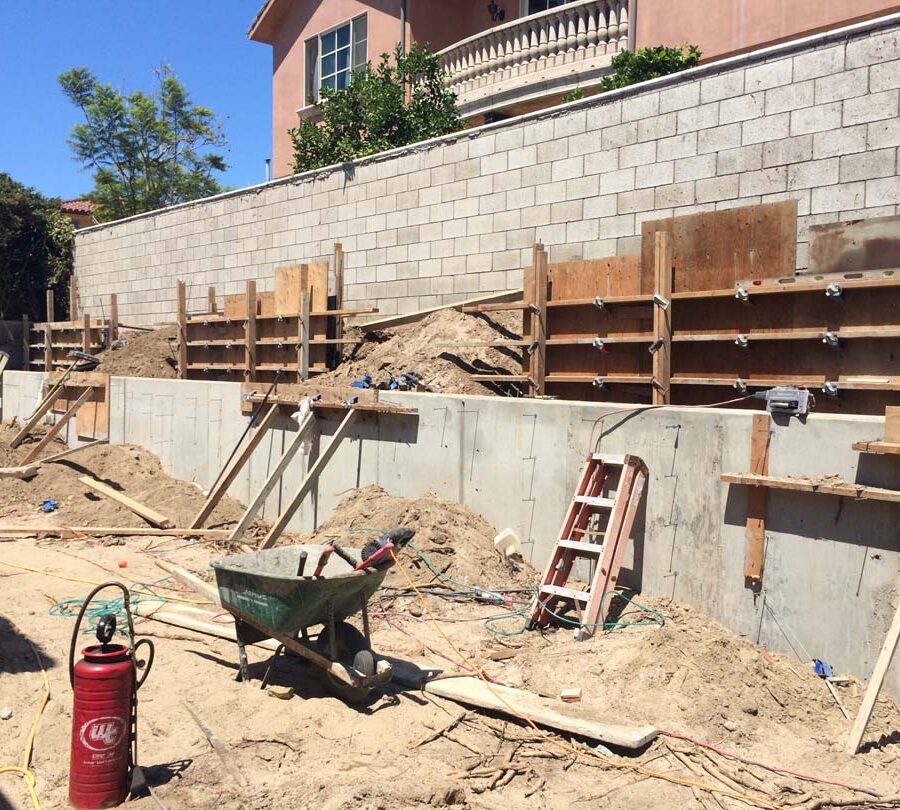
(142, 354)
(667, 665)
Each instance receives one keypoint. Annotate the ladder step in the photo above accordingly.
(610, 460)
(566, 593)
(581, 546)
(599, 503)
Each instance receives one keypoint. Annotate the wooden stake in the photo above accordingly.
(181, 295)
(51, 434)
(304, 335)
(237, 464)
(73, 299)
(113, 319)
(874, 687)
(311, 475)
(275, 476)
(338, 297)
(86, 334)
(150, 515)
(26, 342)
(662, 318)
(250, 333)
(754, 554)
(211, 299)
(538, 330)
(48, 347)
(51, 309)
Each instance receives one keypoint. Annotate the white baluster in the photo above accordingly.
(593, 11)
(571, 36)
(581, 22)
(520, 49)
(534, 45)
(623, 28)
(543, 47)
(602, 27)
(613, 29)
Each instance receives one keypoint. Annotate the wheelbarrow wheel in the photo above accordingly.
(353, 651)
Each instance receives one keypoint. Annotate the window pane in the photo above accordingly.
(343, 36)
(343, 79)
(534, 6)
(360, 27)
(328, 64)
(359, 55)
(328, 42)
(312, 70)
(343, 59)
(328, 81)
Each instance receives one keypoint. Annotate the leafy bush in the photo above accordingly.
(36, 249)
(394, 104)
(630, 67)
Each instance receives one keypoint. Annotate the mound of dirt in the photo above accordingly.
(456, 541)
(435, 348)
(142, 354)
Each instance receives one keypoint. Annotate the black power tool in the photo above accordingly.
(376, 553)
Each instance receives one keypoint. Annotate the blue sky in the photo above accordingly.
(122, 41)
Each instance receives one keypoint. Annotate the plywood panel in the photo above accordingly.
(623, 320)
(92, 419)
(855, 245)
(265, 303)
(236, 306)
(289, 281)
(615, 275)
(318, 302)
(715, 249)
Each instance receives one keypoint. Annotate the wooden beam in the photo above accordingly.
(250, 333)
(274, 477)
(181, 316)
(663, 262)
(51, 309)
(86, 334)
(185, 577)
(881, 448)
(26, 342)
(409, 317)
(150, 515)
(311, 475)
(755, 533)
(45, 405)
(71, 451)
(48, 348)
(73, 298)
(237, 464)
(858, 492)
(113, 318)
(881, 667)
(106, 531)
(538, 358)
(51, 434)
(892, 424)
(303, 322)
(211, 300)
(338, 296)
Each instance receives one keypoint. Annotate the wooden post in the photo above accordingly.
(26, 342)
(48, 333)
(113, 335)
(51, 309)
(662, 318)
(73, 299)
(51, 434)
(303, 320)
(211, 293)
(528, 301)
(538, 364)
(338, 301)
(250, 333)
(874, 687)
(86, 334)
(182, 329)
(755, 533)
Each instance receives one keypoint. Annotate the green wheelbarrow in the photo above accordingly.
(282, 593)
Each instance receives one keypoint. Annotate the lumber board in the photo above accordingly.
(755, 532)
(235, 306)
(278, 471)
(879, 448)
(202, 622)
(410, 317)
(250, 334)
(24, 530)
(843, 489)
(714, 249)
(854, 245)
(92, 419)
(892, 424)
(538, 359)
(289, 283)
(181, 318)
(64, 454)
(288, 394)
(311, 475)
(226, 478)
(24, 472)
(874, 687)
(518, 703)
(610, 276)
(40, 412)
(662, 317)
(60, 424)
(150, 515)
(192, 581)
(318, 325)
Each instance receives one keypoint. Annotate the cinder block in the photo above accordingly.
(630, 202)
(510, 139)
(881, 134)
(725, 85)
(678, 146)
(566, 211)
(620, 180)
(819, 62)
(491, 164)
(508, 180)
(571, 123)
(884, 191)
(674, 195)
(604, 115)
(603, 205)
(658, 126)
(644, 105)
(484, 144)
(878, 47)
(790, 97)
(619, 135)
(535, 215)
(599, 162)
(520, 197)
(725, 136)
(637, 154)
(695, 168)
(585, 143)
(466, 169)
(536, 175)
(884, 76)
(820, 118)
(566, 169)
(843, 141)
(680, 97)
(613, 227)
(765, 181)
(653, 174)
(700, 117)
(550, 193)
(771, 74)
(787, 150)
(813, 173)
(523, 156)
(872, 107)
(868, 165)
(741, 108)
(506, 221)
(841, 85)
(479, 186)
(838, 198)
(583, 231)
(742, 159)
(581, 187)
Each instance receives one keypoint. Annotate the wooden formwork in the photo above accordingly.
(686, 322)
(290, 332)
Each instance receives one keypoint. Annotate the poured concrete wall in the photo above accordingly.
(814, 120)
(831, 579)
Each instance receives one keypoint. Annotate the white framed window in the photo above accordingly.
(333, 54)
(527, 7)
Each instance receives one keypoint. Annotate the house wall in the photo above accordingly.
(725, 27)
(813, 120)
(830, 583)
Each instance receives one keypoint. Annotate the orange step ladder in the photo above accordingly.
(585, 534)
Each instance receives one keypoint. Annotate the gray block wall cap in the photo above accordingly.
(782, 49)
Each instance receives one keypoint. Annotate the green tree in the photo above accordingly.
(147, 150)
(36, 249)
(396, 103)
(631, 67)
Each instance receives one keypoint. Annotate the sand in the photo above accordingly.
(143, 354)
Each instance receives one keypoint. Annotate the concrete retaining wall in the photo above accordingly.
(815, 120)
(831, 571)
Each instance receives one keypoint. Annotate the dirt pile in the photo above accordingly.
(429, 348)
(142, 354)
(457, 542)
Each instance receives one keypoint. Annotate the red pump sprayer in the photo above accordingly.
(104, 712)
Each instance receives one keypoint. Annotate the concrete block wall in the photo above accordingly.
(830, 583)
(814, 120)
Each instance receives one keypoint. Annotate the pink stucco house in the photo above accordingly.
(506, 57)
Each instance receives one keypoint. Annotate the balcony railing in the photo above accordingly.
(543, 54)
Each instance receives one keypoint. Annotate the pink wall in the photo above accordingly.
(722, 27)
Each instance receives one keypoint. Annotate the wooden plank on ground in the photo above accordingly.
(755, 533)
(662, 318)
(715, 249)
(409, 317)
(152, 517)
(472, 691)
(237, 464)
(20, 530)
(63, 420)
(842, 489)
(64, 454)
(881, 667)
(312, 475)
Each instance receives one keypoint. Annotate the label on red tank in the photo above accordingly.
(102, 733)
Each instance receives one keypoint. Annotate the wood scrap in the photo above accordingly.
(63, 454)
(192, 581)
(70, 532)
(150, 515)
(440, 732)
(26, 472)
(409, 317)
(221, 751)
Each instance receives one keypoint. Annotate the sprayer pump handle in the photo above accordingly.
(106, 628)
